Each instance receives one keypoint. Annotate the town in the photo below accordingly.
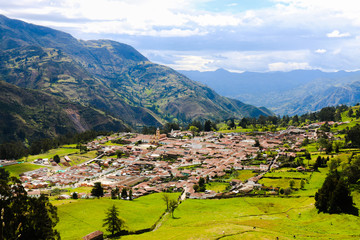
(175, 161)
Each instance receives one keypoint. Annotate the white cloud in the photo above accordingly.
(188, 62)
(288, 66)
(321, 51)
(277, 37)
(337, 34)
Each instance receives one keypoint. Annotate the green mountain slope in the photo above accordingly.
(33, 114)
(108, 75)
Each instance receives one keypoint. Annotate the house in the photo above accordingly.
(97, 235)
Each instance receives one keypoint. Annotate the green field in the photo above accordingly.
(78, 158)
(254, 218)
(51, 153)
(17, 169)
(242, 175)
(81, 217)
(217, 186)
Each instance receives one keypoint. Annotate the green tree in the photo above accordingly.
(173, 204)
(130, 195)
(55, 192)
(124, 194)
(56, 159)
(302, 184)
(114, 193)
(334, 196)
(24, 217)
(194, 130)
(202, 186)
(292, 183)
(353, 135)
(243, 122)
(166, 198)
(97, 190)
(112, 221)
(4, 175)
(74, 195)
(207, 126)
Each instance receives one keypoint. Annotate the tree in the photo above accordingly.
(194, 130)
(97, 190)
(231, 124)
(24, 217)
(353, 135)
(114, 193)
(334, 196)
(243, 123)
(207, 126)
(292, 183)
(55, 191)
(74, 195)
(56, 159)
(112, 221)
(302, 184)
(124, 194)
(130, 195)
(172, 206)
(4, 175)
(166, 198)
(202, 186)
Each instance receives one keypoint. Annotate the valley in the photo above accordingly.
(256, 185)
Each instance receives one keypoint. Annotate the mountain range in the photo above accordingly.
(108, 77)
(285, 93)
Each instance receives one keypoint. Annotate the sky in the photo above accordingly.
(204, 35)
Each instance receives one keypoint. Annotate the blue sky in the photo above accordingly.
(242, 35)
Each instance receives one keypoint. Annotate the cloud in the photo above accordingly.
(285, 34)
(288, 66)
(337, 34)
(188, 62)
(321, 51)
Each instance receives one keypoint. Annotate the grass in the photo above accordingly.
(83, 216)
(17, 169)
(80, 190)
(287, 174)
(83, 157)
(51, 153)
(254, 218)
(217, 186)
(245, 175)
(242, 175)
(281, 183)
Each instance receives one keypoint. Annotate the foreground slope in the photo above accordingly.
(108, 75)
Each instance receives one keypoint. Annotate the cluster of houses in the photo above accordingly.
(149, 164)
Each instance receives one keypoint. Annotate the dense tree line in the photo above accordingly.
(16, 150)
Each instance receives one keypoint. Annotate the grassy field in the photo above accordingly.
(81, 217)
(51, 153)
(78, 158)
(217, 186)
(281, 182)
(254, 218)
(242, 175)
(17, 169)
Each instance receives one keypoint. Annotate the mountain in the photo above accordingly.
(33, 114)
(108, 75)
(291, 93)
